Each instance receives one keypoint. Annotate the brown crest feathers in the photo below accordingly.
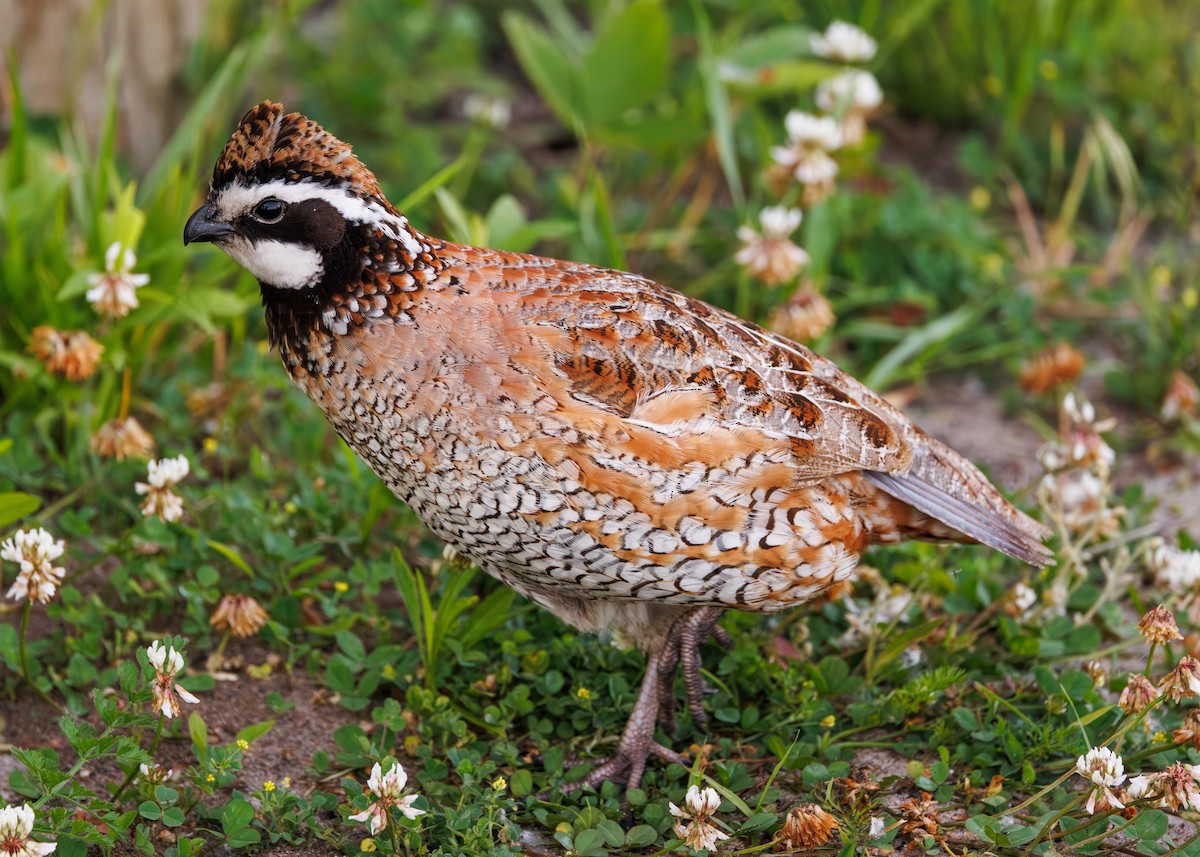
(269, 144)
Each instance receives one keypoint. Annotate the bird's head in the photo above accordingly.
(293, 205)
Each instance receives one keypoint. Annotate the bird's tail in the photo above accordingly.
(947, 487)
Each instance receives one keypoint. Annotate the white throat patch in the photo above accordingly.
(277, 263)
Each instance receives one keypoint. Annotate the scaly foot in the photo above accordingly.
(687, 635)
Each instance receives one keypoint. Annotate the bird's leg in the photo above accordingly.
(688, 633)
(637, 742)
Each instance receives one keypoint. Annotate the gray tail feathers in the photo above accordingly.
(946, 486)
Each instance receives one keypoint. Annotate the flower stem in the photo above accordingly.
(133, 773)
(24, 656)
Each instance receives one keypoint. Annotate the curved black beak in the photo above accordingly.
(202, 227)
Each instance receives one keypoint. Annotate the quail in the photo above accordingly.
(631, 459)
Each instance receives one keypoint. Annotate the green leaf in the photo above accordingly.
(198, 731)
(254, 731)
(716, 99)
(544, 64)
(172, 816)
(236, 815)
(614, 836)
(521, 783)
(1150, 825)
(231, 554)
(165, 794)
(627, 64)
(590, 842)
(15, 505)
(150, 810)
(640, 836)
(758, 821)
(965, 718)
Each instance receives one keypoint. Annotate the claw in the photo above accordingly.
(637, 743)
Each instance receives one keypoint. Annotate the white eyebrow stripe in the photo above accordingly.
(238, 199)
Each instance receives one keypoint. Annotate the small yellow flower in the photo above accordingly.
(829, 721)
(210, 445)
(1160, 275)
(367, 846)
(209, 778)
(290, 508)
(263, 347)
(499, 784)
(269, 786)
(1190, 297)
(243, 744)
(1159, 737)
(1048, 69)
(341, 586)
(411, 744)
(583, 693)
(979, 198)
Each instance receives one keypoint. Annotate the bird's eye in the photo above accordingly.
(270, 210)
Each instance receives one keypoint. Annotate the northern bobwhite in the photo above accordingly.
(631, 459)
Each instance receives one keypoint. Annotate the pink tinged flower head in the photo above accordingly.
(1178, 787)
(700, 805)
(387, 788)
(1183, 681)
(34, 551)
(1105, 770)
(771, 256)
(1158, 626)
(1137, 695)
(167, 664)
(114, 293)
(163, 475)
(843, 42)
(16, 830)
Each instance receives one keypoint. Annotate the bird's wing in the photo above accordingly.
(684, 370)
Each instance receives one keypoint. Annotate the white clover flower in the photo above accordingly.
(16, 828)
(1105, 770)
(843, 42)
(771, 256)
(155, 773)
(487, 110)
(1024, 597)
(35, 552)
(701, 806)
(1139, 787)
(167, 664)
(387, 788)
(114, 293)
(1177, 570)
(852, 96)
(1078, 409)
(864, 617)
(163, 475)
(810, 140)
